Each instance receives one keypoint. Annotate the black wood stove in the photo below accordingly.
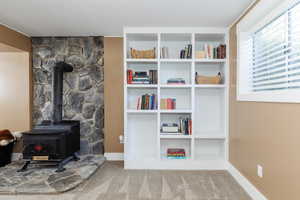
(53, 142)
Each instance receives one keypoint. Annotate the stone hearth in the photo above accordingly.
(43, 180)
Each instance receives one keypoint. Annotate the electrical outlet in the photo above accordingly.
(260, 171)
(121, 138)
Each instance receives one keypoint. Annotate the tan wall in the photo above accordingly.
(113, 93)
(12, 41)
(14, 95)
(267, 134)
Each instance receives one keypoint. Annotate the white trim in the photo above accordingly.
(114, 156)
(253, 192)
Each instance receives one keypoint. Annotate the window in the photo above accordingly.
(269, 54)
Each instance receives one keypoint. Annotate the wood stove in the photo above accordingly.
(57, 141)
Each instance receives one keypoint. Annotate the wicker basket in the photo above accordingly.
(147, 54)
(208, 79)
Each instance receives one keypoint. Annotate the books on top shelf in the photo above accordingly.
(168, 104)
(176, 81)
(142, 77)
(186, 52)
(176, 153)
(211, 52)
(147, 102)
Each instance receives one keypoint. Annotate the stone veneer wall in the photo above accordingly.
(83, 88)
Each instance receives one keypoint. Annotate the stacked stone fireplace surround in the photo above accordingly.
(83, 88)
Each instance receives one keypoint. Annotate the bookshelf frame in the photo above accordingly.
(208, 149)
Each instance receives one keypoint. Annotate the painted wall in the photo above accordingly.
(14, 91)
(12, 41)
(265, 134)
(113, 93)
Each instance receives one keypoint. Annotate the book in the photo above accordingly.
(169, 128)
(176, 153)
(142, 77)
(186, 52)
(168, 104)
(176, 81)
(146, 102)
(129, 76)
(185, 125)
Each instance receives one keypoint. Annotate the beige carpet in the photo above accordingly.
(112, 182)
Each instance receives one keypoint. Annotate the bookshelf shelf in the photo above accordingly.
(176, 111)
(142, 60)
(210, 86)
(162, 135)
(175, 60)
(175, 86)
(210, 60)
(142, 111)
(212, 137)
(205, 105)
(141, 86)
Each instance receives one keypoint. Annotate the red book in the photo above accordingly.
(169, 104)
(129, 76)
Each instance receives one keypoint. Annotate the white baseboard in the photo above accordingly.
(114, 156)
(253, 192)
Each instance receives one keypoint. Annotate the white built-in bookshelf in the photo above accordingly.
(206, 105)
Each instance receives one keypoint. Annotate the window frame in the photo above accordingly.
(261, 15)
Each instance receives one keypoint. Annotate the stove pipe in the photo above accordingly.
(57, 91)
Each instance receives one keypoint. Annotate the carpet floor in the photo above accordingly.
(112, 182)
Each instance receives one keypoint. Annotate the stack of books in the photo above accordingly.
(142, 77)
(174, 153)
(168, 104)
(147, 102)
(186, 52)
(176, 81)
(185, 125)
(164, 52)
(211, 52)
(170, 129)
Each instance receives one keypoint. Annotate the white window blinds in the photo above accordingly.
(275, 54)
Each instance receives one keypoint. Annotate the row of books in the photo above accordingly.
(186, 52)
(210, 52)
(176, 81)
(176, 153)
(168, 104)
(147, 102)
(185, 125)
(142, 77)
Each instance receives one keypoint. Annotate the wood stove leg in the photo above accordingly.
(61, 164)
(76, 156)
(24, 168)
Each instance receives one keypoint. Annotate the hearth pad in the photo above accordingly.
(46, 180)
